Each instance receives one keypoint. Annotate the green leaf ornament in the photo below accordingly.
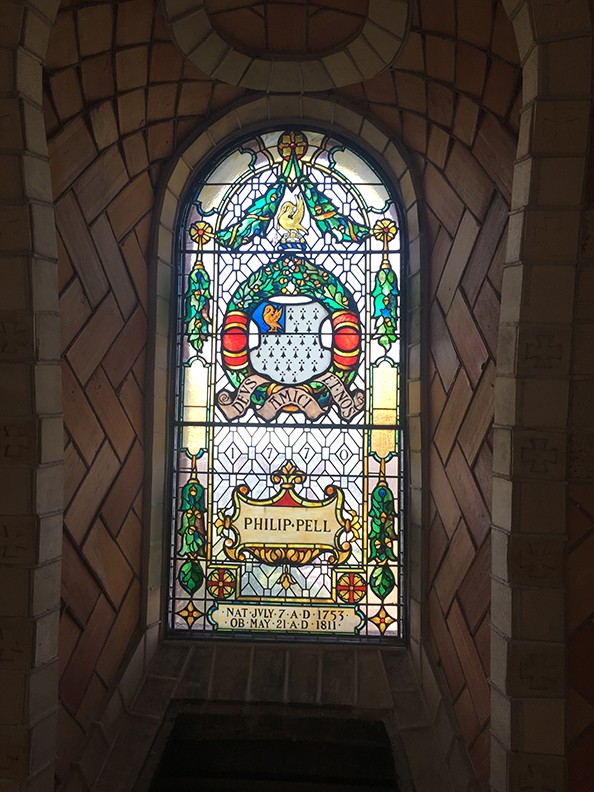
(385, 305)
(382, 581)
(382, 524)
(197, 303)
(191, 576)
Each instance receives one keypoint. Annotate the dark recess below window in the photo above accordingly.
(275, 754)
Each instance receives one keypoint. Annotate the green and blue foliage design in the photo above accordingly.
(382, 533)
(193, 535)
(324, 212)
(385, 305)
(197, 304)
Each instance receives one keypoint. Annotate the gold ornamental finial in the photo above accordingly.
(288, 475)
(385, 230)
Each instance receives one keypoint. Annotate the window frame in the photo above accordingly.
(393, 168)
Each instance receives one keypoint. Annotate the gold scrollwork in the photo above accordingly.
(288, 512)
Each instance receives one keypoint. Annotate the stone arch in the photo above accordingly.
(445, 203)
(364, 679)
(533, 439)
(374, 46)
(554, 120)
(31, 457)
(253, 114)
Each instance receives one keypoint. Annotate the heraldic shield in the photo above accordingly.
(293, 340)
(296, 350)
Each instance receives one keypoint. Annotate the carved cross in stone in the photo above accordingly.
(545, 352)
(13, 337)
(13, 441)
(538, 560)
(538, 456)
(10, 546)
(10, 647)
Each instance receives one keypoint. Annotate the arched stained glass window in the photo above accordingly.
(287, 470)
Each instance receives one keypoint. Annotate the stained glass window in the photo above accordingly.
(287, 470)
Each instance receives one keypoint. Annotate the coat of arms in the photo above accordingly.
(291, 337)
(292, 351)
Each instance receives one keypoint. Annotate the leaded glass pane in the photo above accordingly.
(287, 477)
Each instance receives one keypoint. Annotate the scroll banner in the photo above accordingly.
(348, 405)
(236, 406)
(291, 396)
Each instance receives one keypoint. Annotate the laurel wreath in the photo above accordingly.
(287, 276)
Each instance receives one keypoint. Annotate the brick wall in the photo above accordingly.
(31, 468)
(454, 99)
(118, 100)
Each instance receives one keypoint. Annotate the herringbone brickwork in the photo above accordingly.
(455, 103)
(119, 99)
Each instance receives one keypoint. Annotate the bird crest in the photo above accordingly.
(289, 220)
(271, 315)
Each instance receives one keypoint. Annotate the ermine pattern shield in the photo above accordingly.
(290, 348)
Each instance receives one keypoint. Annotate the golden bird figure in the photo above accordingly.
(271, 316)
(290, 216)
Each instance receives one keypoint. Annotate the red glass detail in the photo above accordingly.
(351, 587)
(347, 339)
(221, 583)
(235, 340)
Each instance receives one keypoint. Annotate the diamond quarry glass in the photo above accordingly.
(287, 470)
